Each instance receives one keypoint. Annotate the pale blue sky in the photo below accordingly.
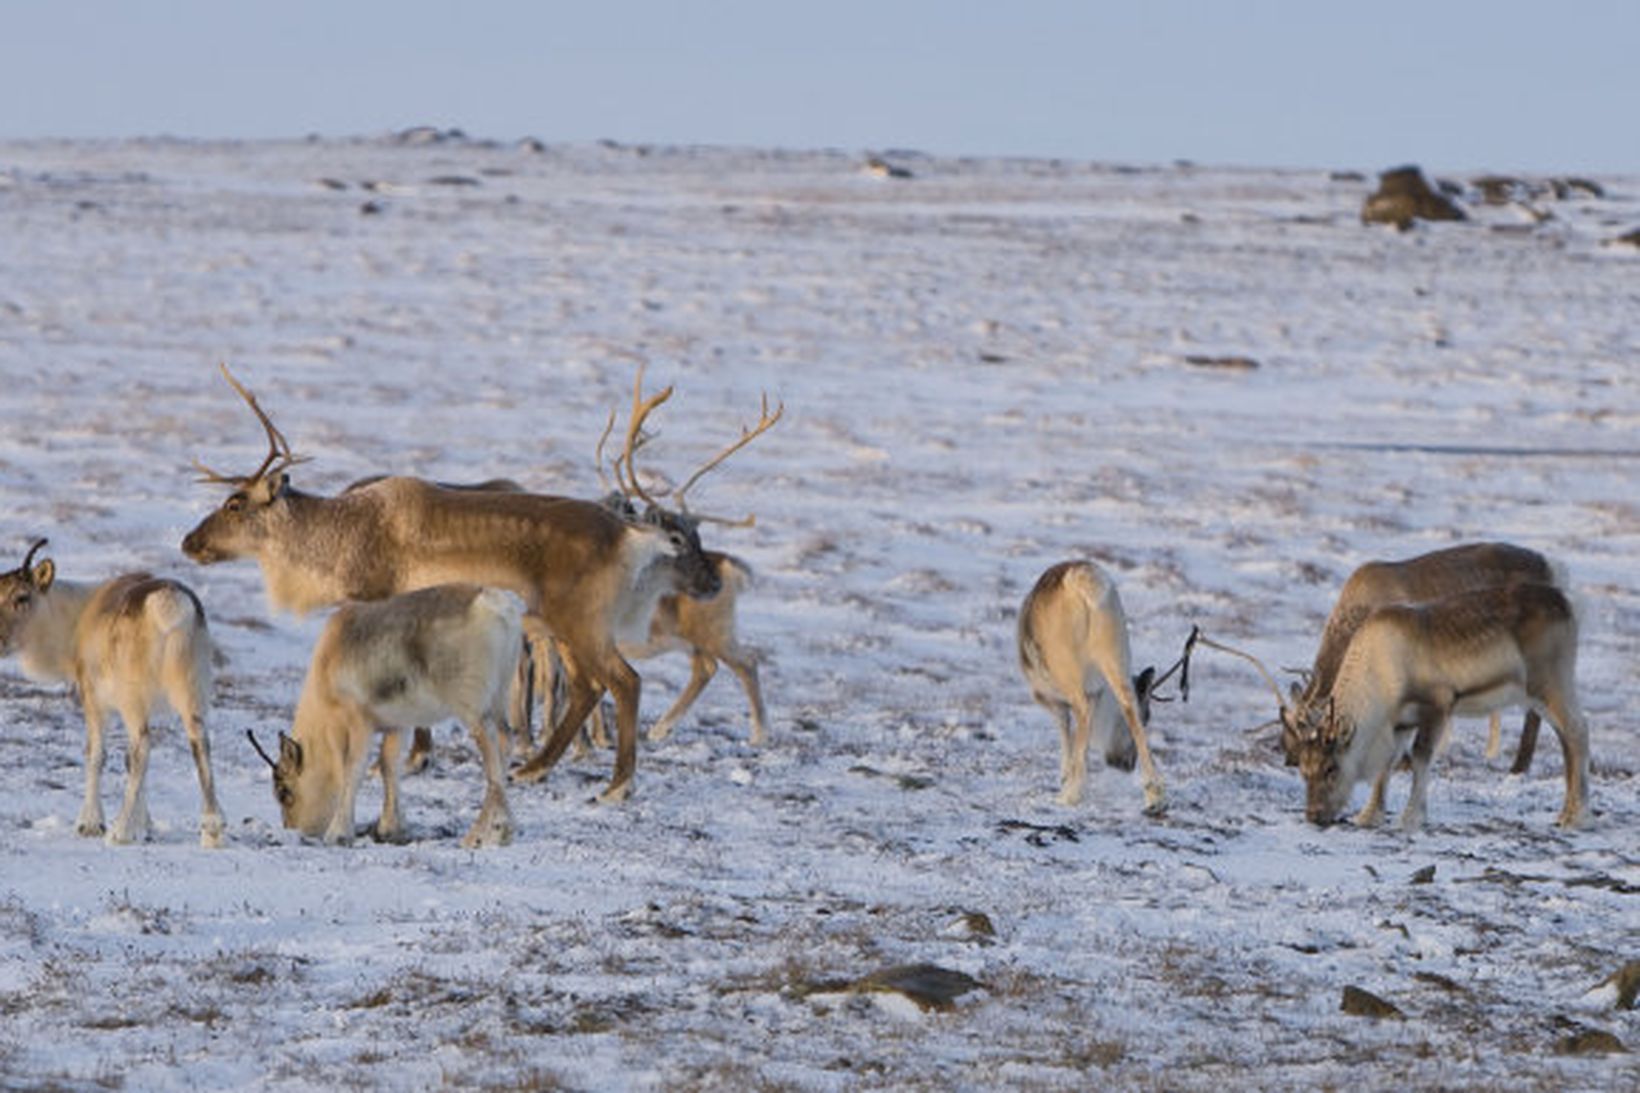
(1500, 84)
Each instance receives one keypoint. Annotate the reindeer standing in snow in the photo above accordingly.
(1073, 649)
(127, 644)
(1410, 668)
(387, 665)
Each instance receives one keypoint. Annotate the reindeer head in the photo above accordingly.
(239, 523)
(20, 592)
(697, 576)
(300, 804)
(1322, 752)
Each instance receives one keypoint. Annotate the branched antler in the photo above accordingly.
(1182, 666)
(279, 454)
(1268, 678)
(636, 438)
(765, 422)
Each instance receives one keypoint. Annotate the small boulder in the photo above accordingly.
(1360, 1003)
(1405, 195)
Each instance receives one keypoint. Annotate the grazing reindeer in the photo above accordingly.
(1073, 649)
(1410, 668)
(590, 577)
(1421, 579)
(125, 644)
(382, 666)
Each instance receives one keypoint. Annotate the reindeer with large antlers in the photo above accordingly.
(589, 576)
(705, 629)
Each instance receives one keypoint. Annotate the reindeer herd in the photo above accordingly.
(460, 602)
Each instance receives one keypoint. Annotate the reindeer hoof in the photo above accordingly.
(616, 794)
(488, 836)
(532, 771)
(91, 829)
(1155, 801)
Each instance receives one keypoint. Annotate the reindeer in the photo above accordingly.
(125, 644)
(1417, 580)
(704, 628)
(590, 577)
(1410, 668)
(1073, 649)
(382, 666)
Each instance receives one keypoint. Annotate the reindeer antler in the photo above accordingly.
(1181, 665)
(28, 559)
(1268, 678)
(765, 422)
(635, 438)
(279, 454)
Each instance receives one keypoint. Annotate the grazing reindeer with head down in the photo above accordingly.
(1421, 579)
(1410, 668)
(590, 577)
(1073, 649)
(379, 667)
(126, 644)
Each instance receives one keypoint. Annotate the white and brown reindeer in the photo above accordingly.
(1073, 650)
(383, 666)
(703, 628)
(1421, 579)
(591, 578)
(128, 645)
(1410, 668)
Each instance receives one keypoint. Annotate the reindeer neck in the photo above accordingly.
(48, 648)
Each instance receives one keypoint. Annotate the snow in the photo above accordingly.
(985, 370)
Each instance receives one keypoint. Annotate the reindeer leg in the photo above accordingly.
(211, 823)
(90, 822)
(1373, 811)
(702, 667)
(1074, 731)
(1494, 735)
(744, 665)
(494, 824)
(624, 685)
(1424, 746)
(582, 696)
(1121, 690)
(389, 826)
(353, 761)
(131, 825)
(1528, 743)
(1567, 718)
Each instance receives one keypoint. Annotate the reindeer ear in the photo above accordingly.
(1144, 681)
(290, 752)
(44, 574)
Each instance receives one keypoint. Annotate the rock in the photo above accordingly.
(928, 986)
(878, 167)
(974, 926)
(1621, 986)
(1405, 195)
(1590, 1041)
(1229, 363)
(1503, 189)
(1568, 187)
(1424, 875)
(1631, 239)
(1360, 1003)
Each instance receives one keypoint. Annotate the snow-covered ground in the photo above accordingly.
(986, 368)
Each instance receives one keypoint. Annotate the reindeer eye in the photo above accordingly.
(234, 504)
